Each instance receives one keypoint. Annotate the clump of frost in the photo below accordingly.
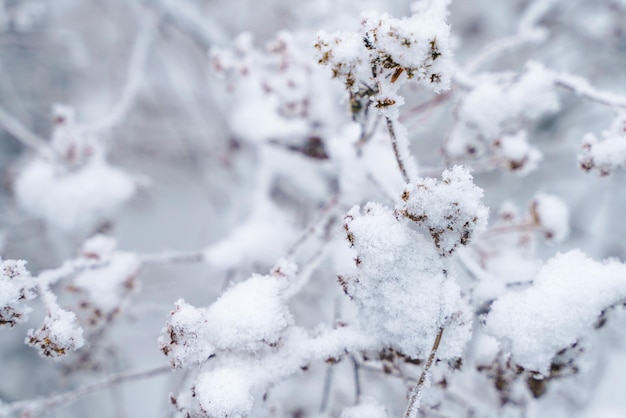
(495, 111)
(59, 334)
(560, 308)
(72, 199)
(451, 209)
(16, 287)
(607, 154)
(400, 285)
(552, 216)
(249, 316)
(368, 407)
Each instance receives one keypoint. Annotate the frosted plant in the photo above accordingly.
(605, 155)
(492, 116)
(561, 307)
(451, 209)
(104, 291)
(59, 334)
(16, 287)
(401, 286)
(76, 190)
(385, 53)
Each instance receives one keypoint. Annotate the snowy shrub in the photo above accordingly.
(356, 209)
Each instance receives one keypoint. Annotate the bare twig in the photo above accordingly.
(203, 30)
(173, 257)
(396, 151)
(413, 406)
(24, 136)
(321, 218)
(357, 380)
(581, 87)
(41, 405)
(134, 77)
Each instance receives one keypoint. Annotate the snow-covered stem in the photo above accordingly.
(581, 87)
(134, 77)
(357, 379)
(203, 30)
(413, 406)
(503, 45)
(320, 219)
(528, 33)
(396, 151)
(24, 136)
(33, 407)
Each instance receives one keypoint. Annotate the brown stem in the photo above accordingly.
(413, 406)
(396, 151)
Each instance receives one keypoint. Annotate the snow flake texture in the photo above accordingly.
(561, 307)
(400, 285)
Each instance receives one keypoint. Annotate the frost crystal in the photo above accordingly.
(451, 209)
(16, 286)
(400, 287)
(59, 334)
(561, 307)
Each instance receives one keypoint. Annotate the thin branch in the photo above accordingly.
(413, 406)
(320, 219)
(173, 257)
(328, 380)
(396, 151)
(581, 87)
(357, 380)
(134, 77)
(24, 136)
(203, 30)
(37, 406)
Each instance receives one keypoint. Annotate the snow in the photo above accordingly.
(451, 209)
(59, 334)
(16, 286)
(72, 200)
(400, 287)
(249, 316)
(107, 287)
(367, 408)
(607, 154)
(224, 393)
(552, 215)
(499, 105)
(561, 307)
